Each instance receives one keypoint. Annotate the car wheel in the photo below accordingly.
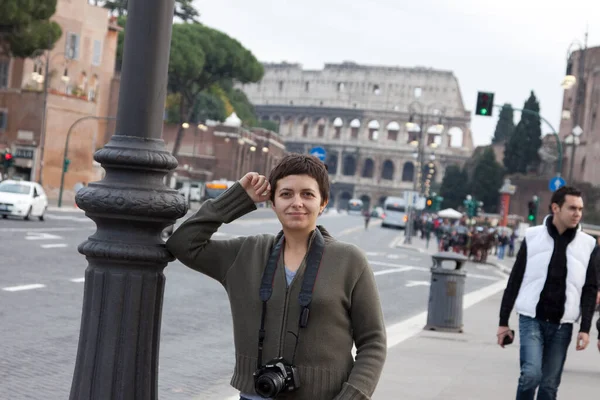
(4, 216)
(41, 217)
(26, 217)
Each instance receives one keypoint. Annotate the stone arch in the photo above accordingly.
(408, 172)
(289, 123)
(373, 127)
(392, 130)
(331, 201)
(320, 127)
(349, 165)
(387, 170)
(354, 128)
(344, 197)
(338, 124)
(366, 202)
(368, 168)
(456, 136)
(332, 162)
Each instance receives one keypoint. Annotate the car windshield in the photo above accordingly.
(14, 188)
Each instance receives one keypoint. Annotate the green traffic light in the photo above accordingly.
(484, 111)
(530, 217)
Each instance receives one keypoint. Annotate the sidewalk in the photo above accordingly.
(471, 366)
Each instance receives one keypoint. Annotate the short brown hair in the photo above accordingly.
(301, 164)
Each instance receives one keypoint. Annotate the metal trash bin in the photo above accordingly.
(445, 310)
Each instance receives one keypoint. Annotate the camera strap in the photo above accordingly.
(313, 262)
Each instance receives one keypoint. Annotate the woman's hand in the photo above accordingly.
(257, 186)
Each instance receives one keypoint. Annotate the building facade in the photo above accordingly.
(370, 120)
(223, 151)
(583, 111)
(81, 67)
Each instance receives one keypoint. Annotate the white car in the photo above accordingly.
(22, 199)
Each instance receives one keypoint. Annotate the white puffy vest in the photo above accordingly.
(540, 246)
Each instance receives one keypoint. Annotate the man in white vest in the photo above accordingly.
(551, 286)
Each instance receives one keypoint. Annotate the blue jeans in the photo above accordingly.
(501, 250)
(543, 350)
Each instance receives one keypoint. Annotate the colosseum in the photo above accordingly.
(370, 120)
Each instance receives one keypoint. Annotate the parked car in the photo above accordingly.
(22, 199)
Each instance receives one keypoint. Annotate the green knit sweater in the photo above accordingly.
(345, 308)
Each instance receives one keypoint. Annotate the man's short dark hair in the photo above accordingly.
(301, 164)
(559, 196)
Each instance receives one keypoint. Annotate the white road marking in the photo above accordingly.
(410, 327)
(78, 280)
(53, 245)
(41, 236)
(23, 287)
(387, 264)
(395, 241)
(394, 256)
(392, 271)
(417, 283)
(44, 229)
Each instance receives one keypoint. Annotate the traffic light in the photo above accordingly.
(485, 104)
(8, 159)
(531, 206)
(429, 203)
(66, 163)
(438, 203)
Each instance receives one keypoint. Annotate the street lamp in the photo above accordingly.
(568, 83)
(426, 115)
(117, 354)
(38, 77)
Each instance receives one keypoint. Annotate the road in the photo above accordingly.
(41, 292)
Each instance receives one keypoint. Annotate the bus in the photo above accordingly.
(355, 207)
(213, 189)
(394, 210)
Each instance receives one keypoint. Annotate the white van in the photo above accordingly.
(394, 210)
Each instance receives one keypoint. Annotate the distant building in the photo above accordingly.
(359, 114)
(586, 114)
(81, 67)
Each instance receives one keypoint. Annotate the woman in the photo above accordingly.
(313, 360)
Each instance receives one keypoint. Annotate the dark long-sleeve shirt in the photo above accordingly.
(552, 298)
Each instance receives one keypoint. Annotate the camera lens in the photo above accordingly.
(269, 384)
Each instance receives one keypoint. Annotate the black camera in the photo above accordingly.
(275, 377)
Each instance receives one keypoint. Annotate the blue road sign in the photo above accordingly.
(318, 152)
(556, 183)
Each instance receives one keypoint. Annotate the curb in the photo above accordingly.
(65, 209)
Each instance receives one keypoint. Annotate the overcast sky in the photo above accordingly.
(508, 47)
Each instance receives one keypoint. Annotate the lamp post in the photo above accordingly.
(44, 79)
(567, 84)
(425, 115)
(66, 161)
(117, 355)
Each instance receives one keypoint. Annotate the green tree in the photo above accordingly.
(25, 27)
(454, 187)
(505, 126)
(200, 58)
(487, 179)
(521, 150)
(184, 9)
